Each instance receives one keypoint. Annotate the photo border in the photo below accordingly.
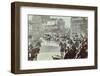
(15, 36)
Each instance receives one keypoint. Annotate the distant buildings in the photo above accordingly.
(79, 25)
(38, 25)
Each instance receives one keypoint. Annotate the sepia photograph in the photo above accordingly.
(52, 37)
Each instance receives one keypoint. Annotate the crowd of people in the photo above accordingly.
(74, 47)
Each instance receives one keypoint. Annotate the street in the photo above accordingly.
(47, 50)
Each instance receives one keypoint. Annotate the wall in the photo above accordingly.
(5, 38)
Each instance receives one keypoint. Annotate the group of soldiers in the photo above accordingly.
(74, 48)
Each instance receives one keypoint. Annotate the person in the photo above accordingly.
(34, 54)
(37, 48)
(82, 53)
(34, 51)
(63, 48)
(30, 47)
(71, 53)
